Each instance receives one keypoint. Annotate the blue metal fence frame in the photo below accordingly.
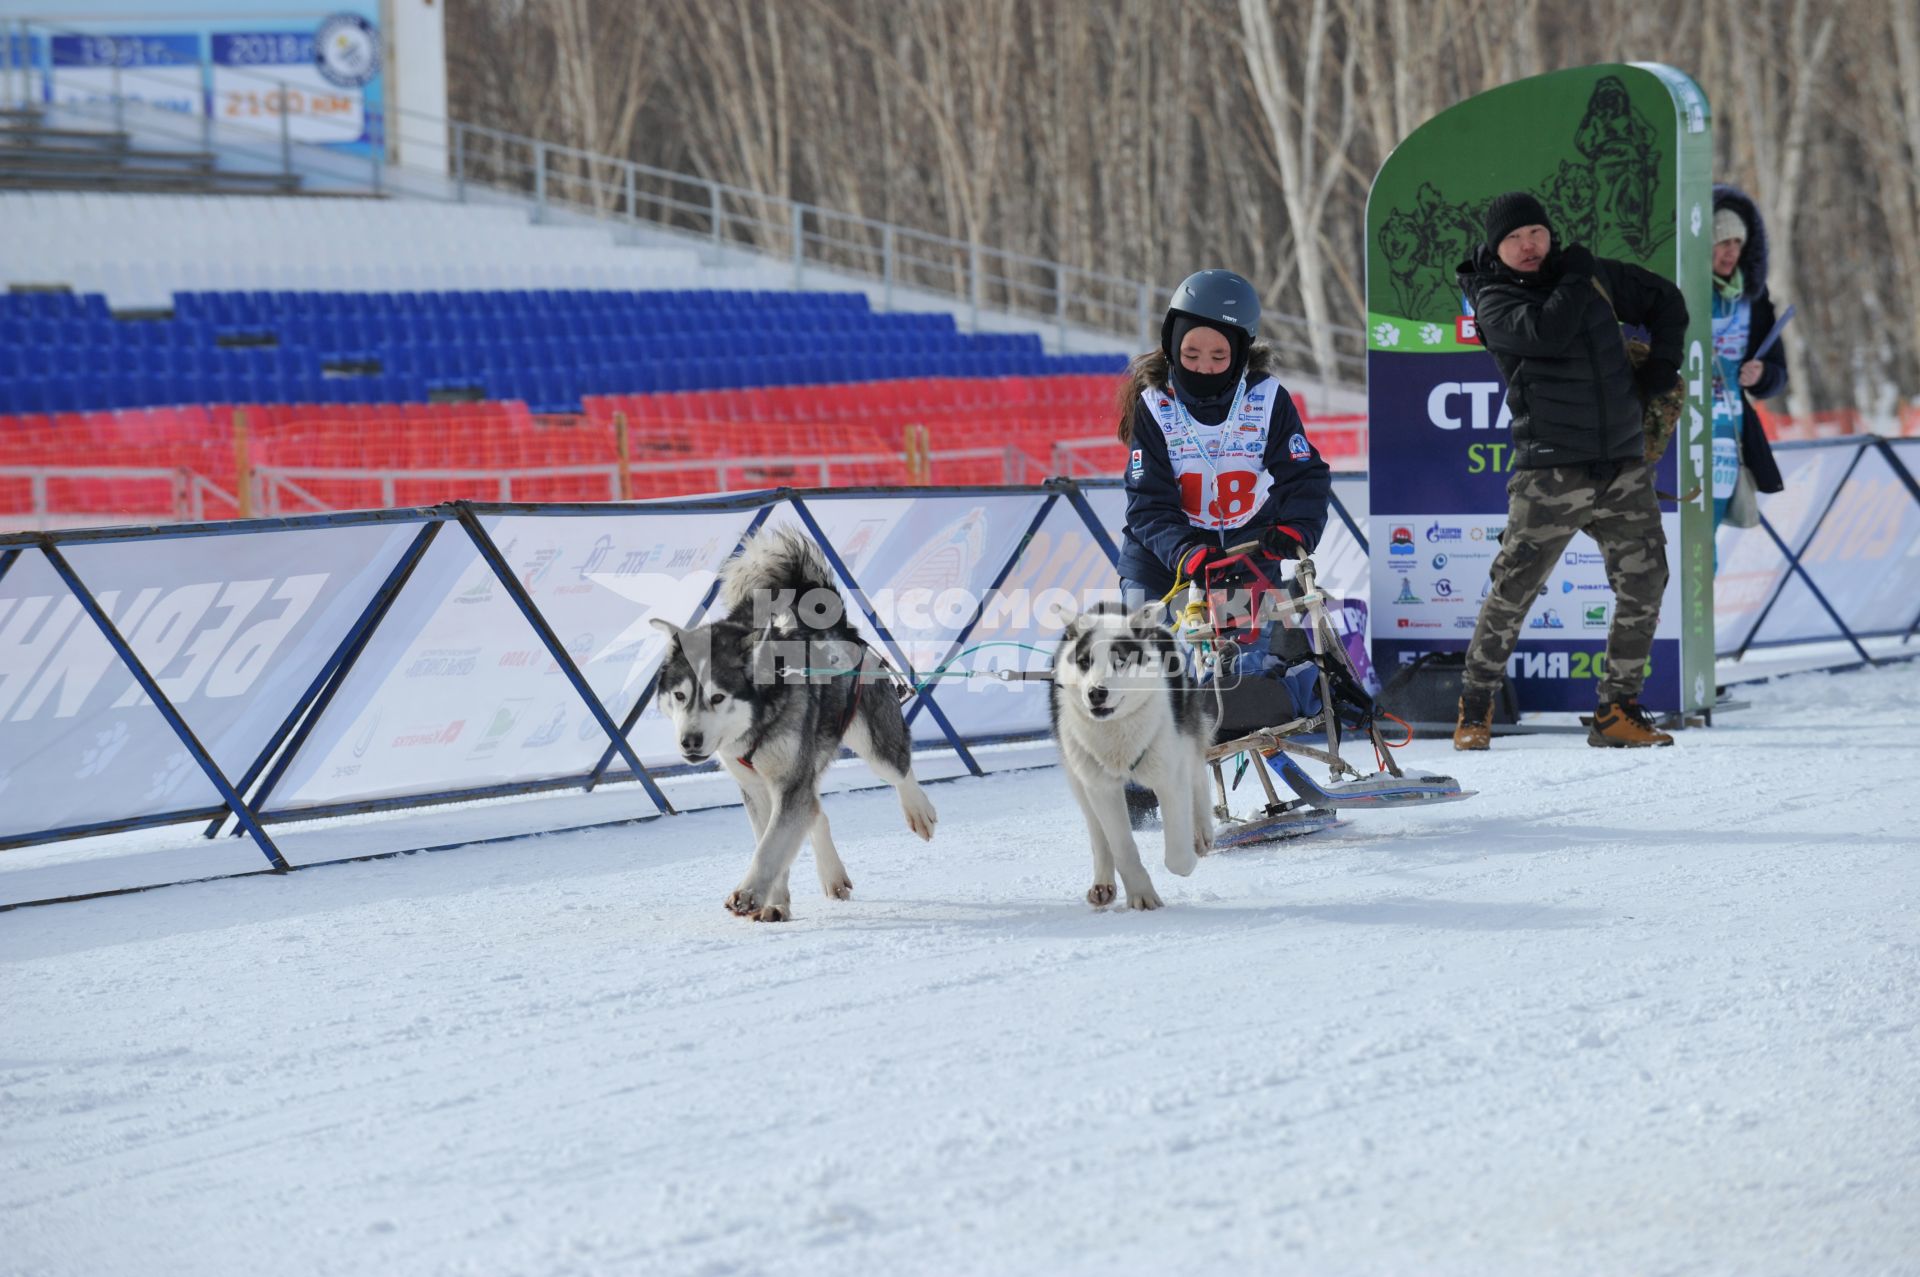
(333, 675)
(1795, 566)
(252, 815)
(151, 686)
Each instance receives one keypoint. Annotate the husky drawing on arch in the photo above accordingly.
(775, 689)
(1124, 708)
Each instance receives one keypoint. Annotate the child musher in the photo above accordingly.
(1217, 457)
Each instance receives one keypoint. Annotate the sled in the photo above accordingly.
(1215, 639)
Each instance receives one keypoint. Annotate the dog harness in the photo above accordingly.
(846, 721)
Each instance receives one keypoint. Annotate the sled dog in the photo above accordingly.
(1124, 708)
(775, 689)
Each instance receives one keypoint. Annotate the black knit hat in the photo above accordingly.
(1508, 213)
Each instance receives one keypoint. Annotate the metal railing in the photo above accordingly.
(287, 490)
(190, 495)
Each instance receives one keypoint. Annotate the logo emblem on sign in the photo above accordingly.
(1297, 447)
(346, 51)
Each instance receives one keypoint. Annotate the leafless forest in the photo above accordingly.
(1145, 137)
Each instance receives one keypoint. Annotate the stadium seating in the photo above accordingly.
(67, 352)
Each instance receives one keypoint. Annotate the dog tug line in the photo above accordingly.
(1214, 639)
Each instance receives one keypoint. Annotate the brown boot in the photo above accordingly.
(1625, 725)
(1475, 728)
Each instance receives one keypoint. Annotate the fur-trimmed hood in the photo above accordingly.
(1753, 255)
(1150, 369)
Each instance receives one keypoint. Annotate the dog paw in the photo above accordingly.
(770, 913)
(1100, 895)
(842, 890)
(743, 903)
(1146, 898)
(920, 818)
(1181, 860)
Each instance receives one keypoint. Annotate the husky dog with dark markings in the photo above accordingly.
(775, 689)
(1124, 708)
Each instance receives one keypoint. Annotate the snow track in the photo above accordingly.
(1648, 1012)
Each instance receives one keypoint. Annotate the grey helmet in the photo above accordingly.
(1219, 297)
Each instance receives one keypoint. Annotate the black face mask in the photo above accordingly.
(1205, 387)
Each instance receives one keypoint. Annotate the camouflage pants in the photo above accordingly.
(1544, 509)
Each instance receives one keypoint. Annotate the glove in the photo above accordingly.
(1576, 262)
(1193, 560)
(1654, 378)
(1282, 542)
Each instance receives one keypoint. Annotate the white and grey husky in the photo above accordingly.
(1124, 708)
(775, 689)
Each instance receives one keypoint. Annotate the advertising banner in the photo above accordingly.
(259, 74)
(457, 691)
(159, 69)
(1864, 558)
(1753, 567)
(1621, 157)
(233, 629)
(323, 68)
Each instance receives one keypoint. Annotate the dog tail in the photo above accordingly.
(778, 568)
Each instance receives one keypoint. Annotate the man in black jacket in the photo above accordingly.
(1551, 315)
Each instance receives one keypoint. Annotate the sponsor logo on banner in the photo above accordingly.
(480, 591)
(426, 737)
(1435, 532)
(1595, 617)
(1465, 622)
(346, 51)
(106, 746)
(1485, 534)
(535, 569)
(516, 660)
(1546, 619)
(1401, 542)
(867, 534)
(506, 716)
(1412, 623)
(364, 740)
(1466, 331)
(1439, 562)
(1443, 588)
(1406, 592)
(444, 662)
(555, 728)
(602, 547)
(1574, 559)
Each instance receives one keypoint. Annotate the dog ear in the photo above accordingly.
(666, 627)
(1147, 617)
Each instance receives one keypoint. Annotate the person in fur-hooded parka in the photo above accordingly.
(1217, 455)
(1743, 314)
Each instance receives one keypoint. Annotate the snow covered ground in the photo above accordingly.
(1647, 1013)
